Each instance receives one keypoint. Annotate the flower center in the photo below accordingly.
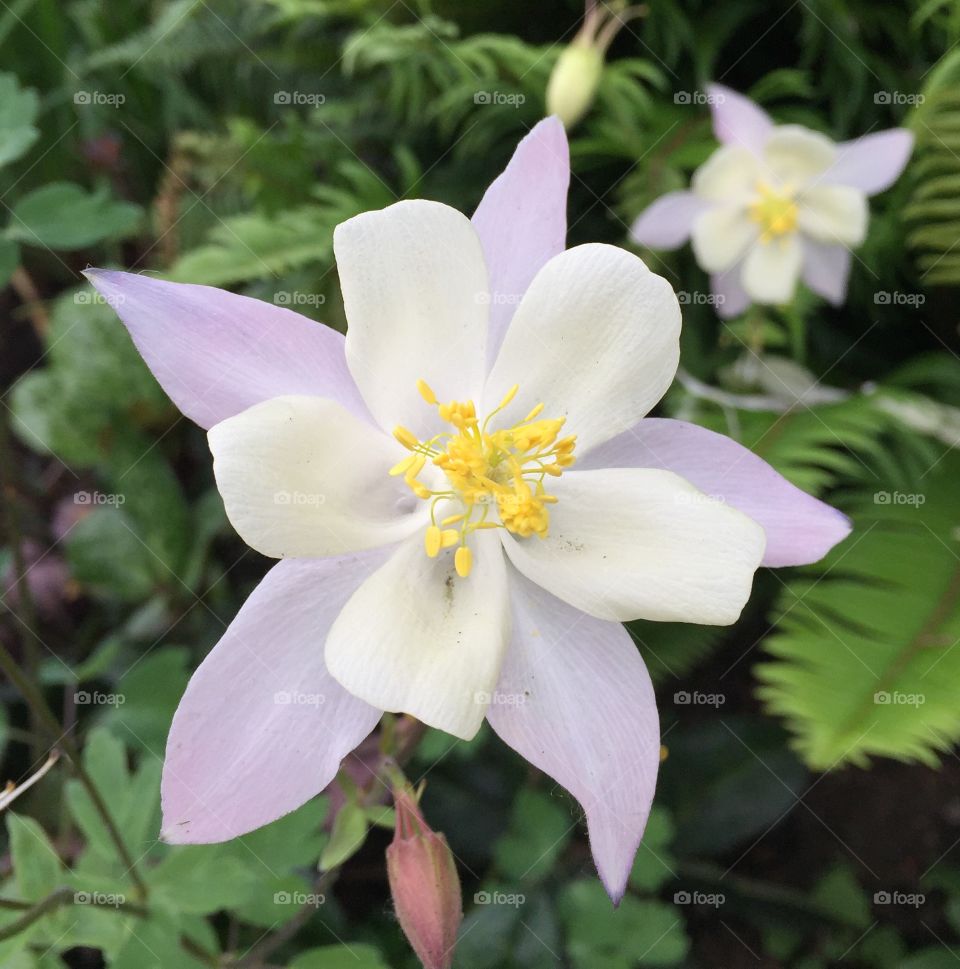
(774, 211)
(503, 469)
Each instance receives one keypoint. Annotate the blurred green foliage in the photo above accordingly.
(220, 143)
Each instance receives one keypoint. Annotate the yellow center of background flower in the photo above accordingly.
(503, 470)
(774, 211)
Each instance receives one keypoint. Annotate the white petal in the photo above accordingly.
(575, 699)
(794, 154)
(833, 214)
(415, 293)
(302, 477)
(416, 638)
(771, 269)
(595, 339)
(640, 543)
(826, 270)
(721, 237)
(729, 175)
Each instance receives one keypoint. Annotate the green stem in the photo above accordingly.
(53, 901)
(35, 700)
(11, 522)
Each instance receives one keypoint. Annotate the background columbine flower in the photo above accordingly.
(774, 204)
(440, 546)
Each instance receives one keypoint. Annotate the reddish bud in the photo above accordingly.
(424, 884)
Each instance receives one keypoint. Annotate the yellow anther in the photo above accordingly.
(426, 392)
(449, 537)
(432, 541)
(496, 476)
(401, 467)
(415, 467)
(508, 396)
(406, 438)
(536, 412)
(463, 561)
(775, 211)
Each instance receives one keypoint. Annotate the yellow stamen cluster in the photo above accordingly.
(505, 469)
(775, 211)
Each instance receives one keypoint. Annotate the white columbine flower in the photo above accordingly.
(774, 204)
(466, 501)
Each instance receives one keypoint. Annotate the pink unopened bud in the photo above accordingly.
(424, 884)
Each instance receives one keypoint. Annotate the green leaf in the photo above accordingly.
(507, 928)
(638, 932)
(344, 956)
(151, 690)
(64, 216)
(276, 853)
(36, 864)
(9, 259)
(200, 880)
(105, 554)
(132, 799)
(94, 382)
(863, 660)
(248, 247)
(840, 896)
(154, 943)
(933, 957)
(347, 837)
(18, 111)
(540, 827)
(654, 862)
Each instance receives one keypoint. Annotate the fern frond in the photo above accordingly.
(934, 209)
(864, 657)
(259, 246)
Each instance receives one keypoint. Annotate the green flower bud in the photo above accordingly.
(575, 78)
